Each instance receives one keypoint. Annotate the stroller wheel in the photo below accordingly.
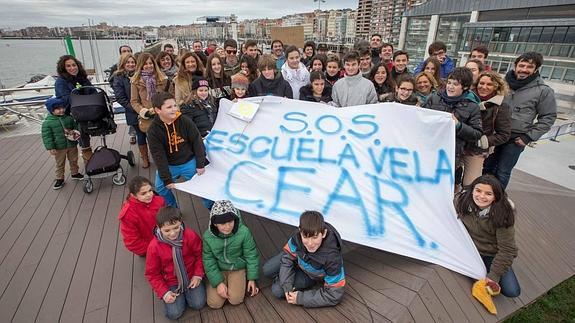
(88, 186)
(130, 158)
(119, 179)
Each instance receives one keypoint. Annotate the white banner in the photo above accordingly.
(381, 174)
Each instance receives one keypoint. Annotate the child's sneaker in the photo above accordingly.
(58, 184)
(77, 176)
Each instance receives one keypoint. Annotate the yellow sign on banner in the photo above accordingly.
(244, 110)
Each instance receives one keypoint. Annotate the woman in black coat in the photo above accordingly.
(72, 75)
(121, 86)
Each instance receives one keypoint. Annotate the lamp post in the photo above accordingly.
(319, 3)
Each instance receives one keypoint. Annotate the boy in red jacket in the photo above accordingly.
(138, 215)
(174, 265)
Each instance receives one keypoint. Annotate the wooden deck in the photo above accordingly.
(62, 258)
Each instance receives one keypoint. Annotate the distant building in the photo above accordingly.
(507, 28)
(382, 17)
(363, 19)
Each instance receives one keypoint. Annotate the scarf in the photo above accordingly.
(516, 84)
(170, 72)
(177, 256)
(150, 81)
(485, 98)
(332, 79)
(484, 213)
(452, 100)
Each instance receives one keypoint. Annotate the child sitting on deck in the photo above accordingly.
(489, 217)
(60, 137)
(230, 256)
(174, 264)
(311, 254)
(138, 215)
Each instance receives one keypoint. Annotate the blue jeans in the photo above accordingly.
(140, 136)
(508, 281)
(501, 162)
(193, 297)
(187, 171)
(271, 269)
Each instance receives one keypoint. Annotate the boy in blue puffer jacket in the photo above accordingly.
(312, 254)
(60, 138)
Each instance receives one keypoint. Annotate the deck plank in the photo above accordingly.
(41, 249)
(237, 313)
(75, 304)
(15, 192)
(288, 312)
(142, 307)
(100, 288)
(11, 151)
(261, 309)
(378, 302)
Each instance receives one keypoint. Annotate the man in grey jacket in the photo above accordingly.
(529, 99)
(353, 89)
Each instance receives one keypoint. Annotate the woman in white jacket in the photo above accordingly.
(295, 72)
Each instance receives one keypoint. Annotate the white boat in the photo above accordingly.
(22, 95)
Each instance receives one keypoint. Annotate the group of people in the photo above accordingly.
(178, 261)
(172, 102)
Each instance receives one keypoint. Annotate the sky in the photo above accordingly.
(16, 14)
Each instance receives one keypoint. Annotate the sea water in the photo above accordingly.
(21, 59)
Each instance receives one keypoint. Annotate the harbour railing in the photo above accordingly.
(10, 106)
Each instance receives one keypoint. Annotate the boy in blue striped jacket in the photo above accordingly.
(311, 254)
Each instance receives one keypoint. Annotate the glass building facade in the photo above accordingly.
(555, 43)
(415, 44)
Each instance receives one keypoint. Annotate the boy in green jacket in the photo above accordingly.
(230, 256)
(60, 137)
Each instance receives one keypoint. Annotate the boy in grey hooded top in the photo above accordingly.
(353, 89)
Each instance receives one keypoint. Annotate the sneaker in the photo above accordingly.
(77, 176)
(58, 184)
(132, 140)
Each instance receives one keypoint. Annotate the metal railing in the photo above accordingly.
(8, 106)
(556, 131)
(39, 88)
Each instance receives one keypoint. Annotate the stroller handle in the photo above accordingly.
(98, 89)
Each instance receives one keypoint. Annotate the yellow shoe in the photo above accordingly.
(480, 292)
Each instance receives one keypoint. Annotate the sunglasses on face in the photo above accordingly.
(231, 52)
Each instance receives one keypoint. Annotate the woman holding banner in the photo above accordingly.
(489, 216)
(496, 123)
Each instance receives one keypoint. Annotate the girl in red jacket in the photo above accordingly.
(174, 264)
(138, 215)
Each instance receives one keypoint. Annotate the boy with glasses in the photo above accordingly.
(231, 61)
(438, 50)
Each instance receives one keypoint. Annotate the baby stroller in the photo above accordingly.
(92, 110)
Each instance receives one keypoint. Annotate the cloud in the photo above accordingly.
(24, 13)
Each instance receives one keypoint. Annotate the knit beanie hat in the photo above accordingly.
(199, 82)
(223, 211)
(53, 103)
(240, 81)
